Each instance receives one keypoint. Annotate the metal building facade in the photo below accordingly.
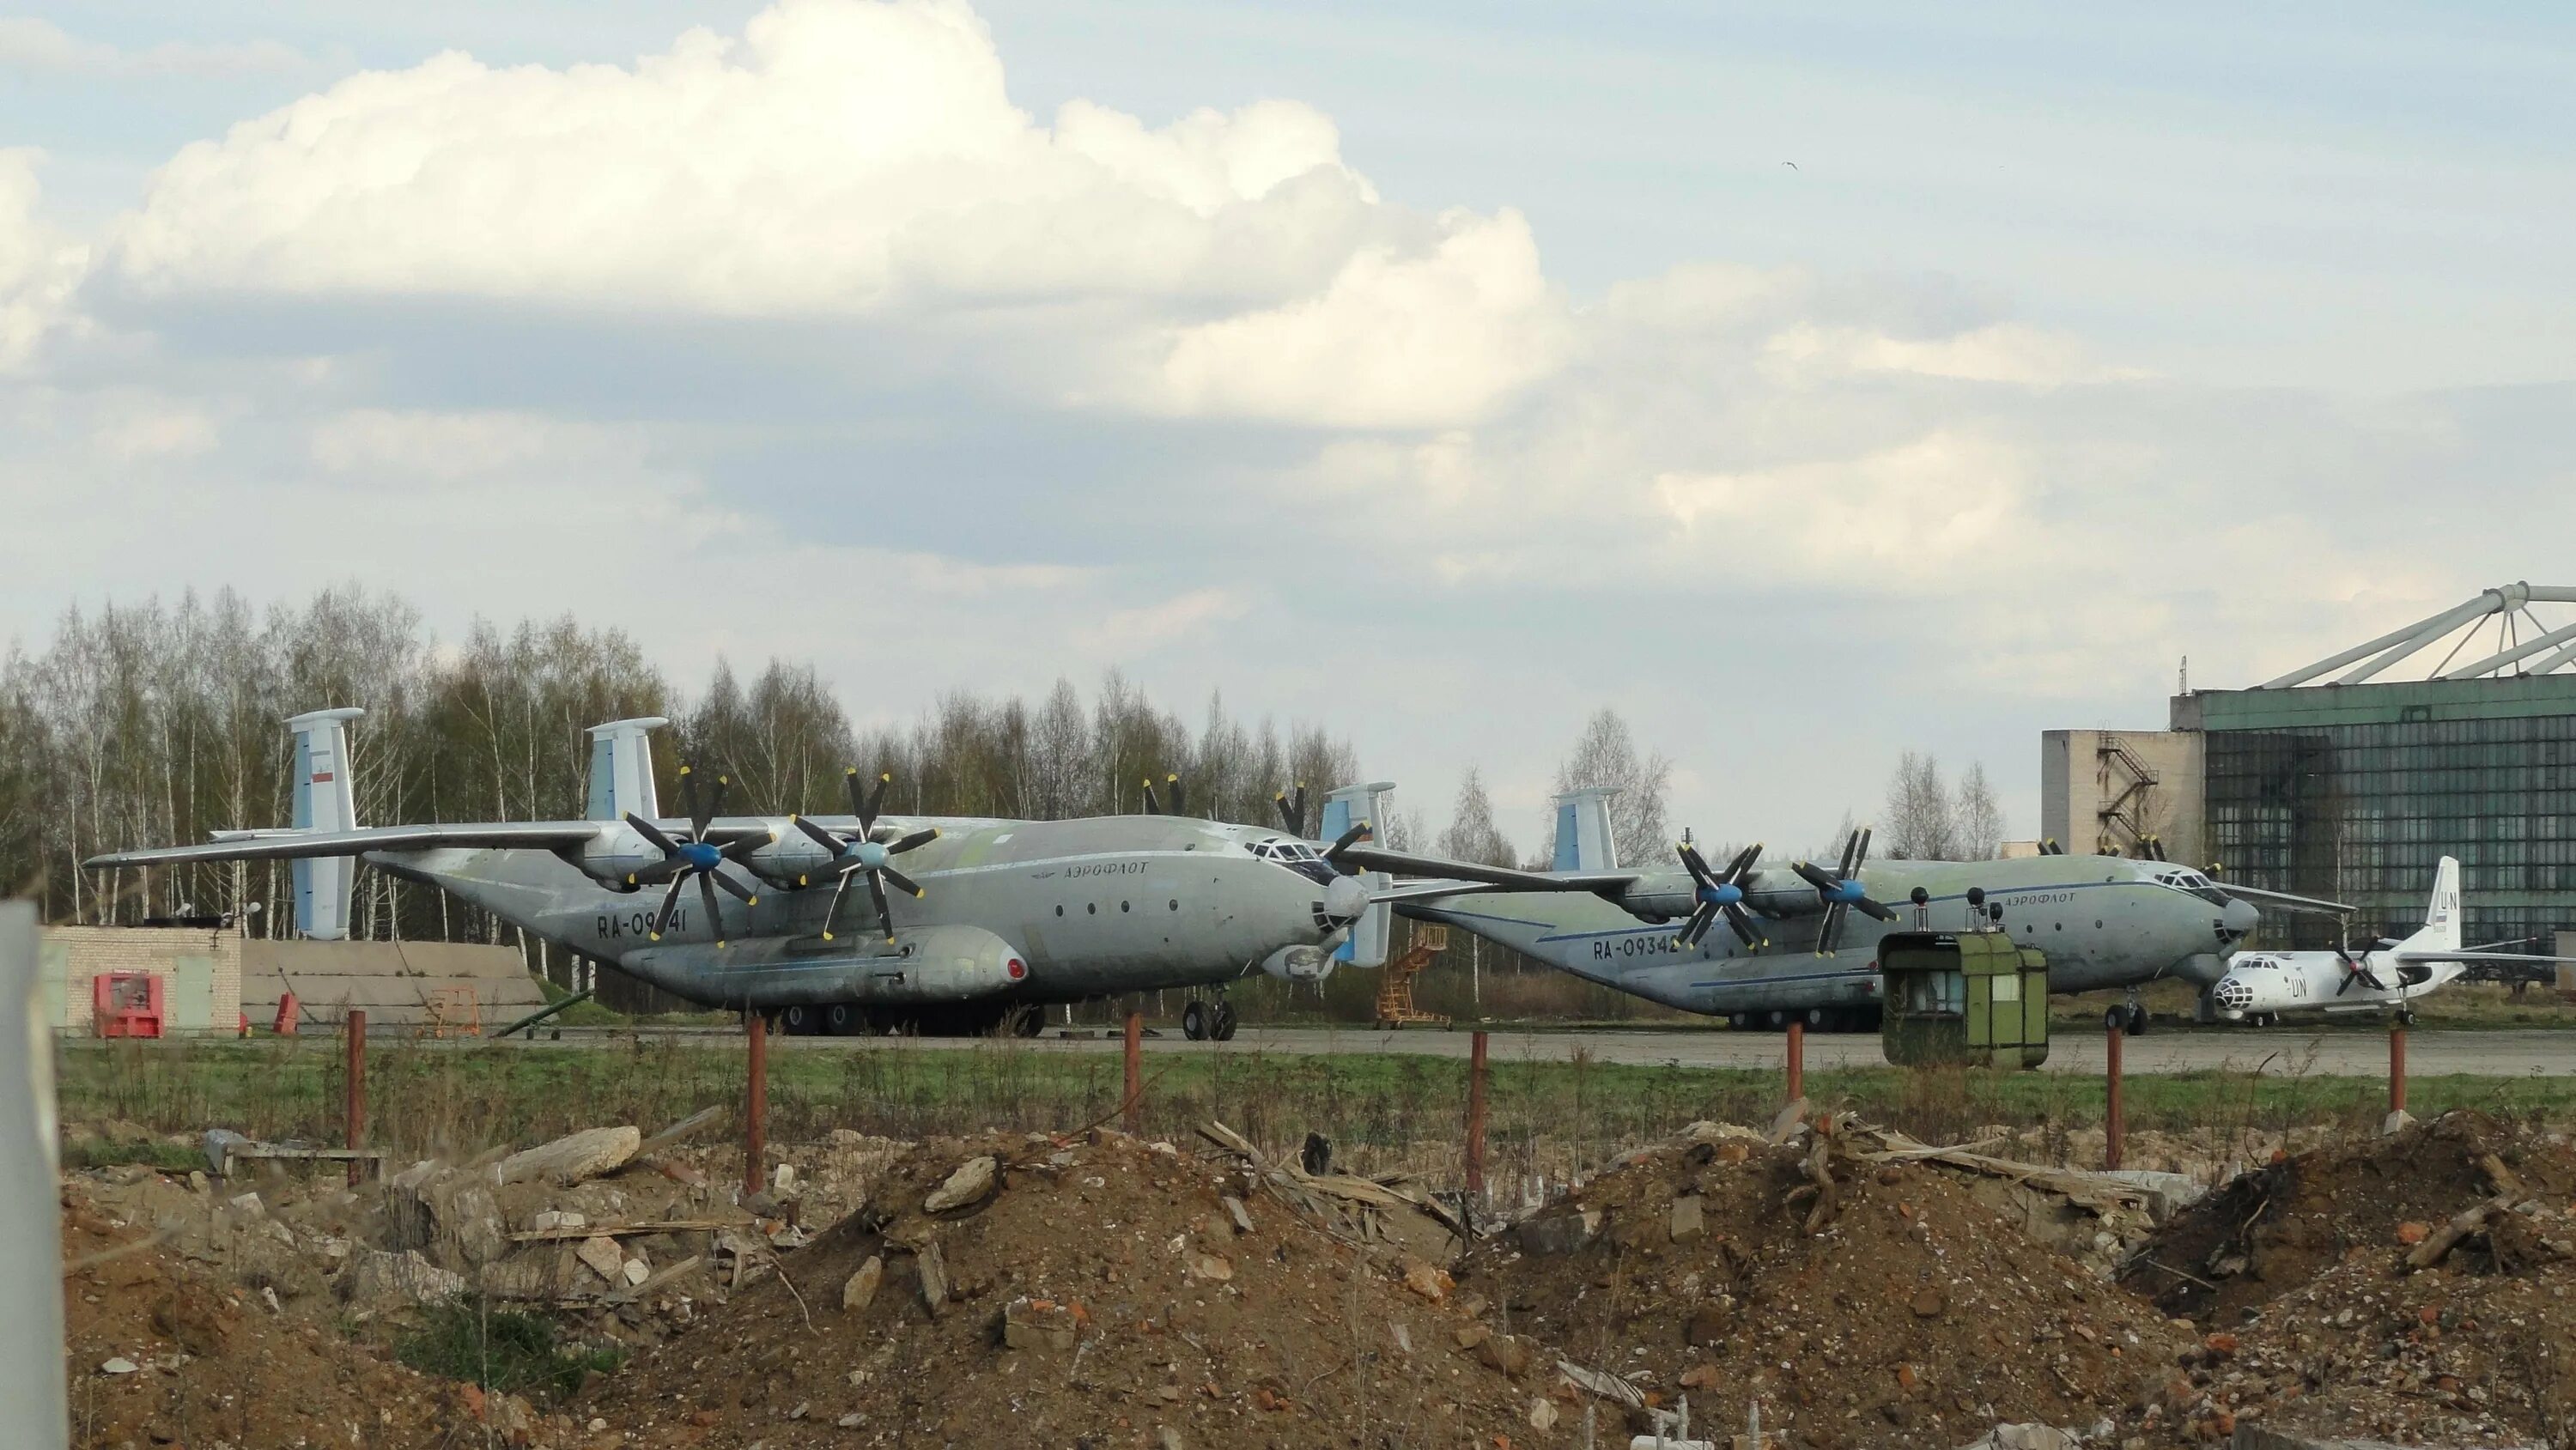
(2352, 792)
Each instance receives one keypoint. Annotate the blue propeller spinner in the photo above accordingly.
(1841, 891)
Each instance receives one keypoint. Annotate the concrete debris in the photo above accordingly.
(934, 1277)
(1235, 1210)
(1685, 1223)
(861, 1290)
(1039, 1324)
(573, 1158)
(1212, 1267)
(119, 1365)
(2032, 1437)
(971, 1184)
(1558, 1233)
(376, 1280)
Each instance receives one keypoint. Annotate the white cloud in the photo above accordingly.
(840, 157)
(37, 46)
(39, 267)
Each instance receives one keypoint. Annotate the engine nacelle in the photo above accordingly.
(1299, 964)
(925, 966)
(614, 853)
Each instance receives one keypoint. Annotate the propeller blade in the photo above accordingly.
(832, 913)
(1876, 909)
(1153, 805)
(652, 834)
(1293, 817)
(1860, 853)
(1851, 843)
(1180, 794)
(885, 916)
(901, 882)
(744, 848)
(689, 791)
(1742, 922)
(741, 893)
(876, 799)
(1808, 873)
(1696, 928)
(707, 894)
(1698, 868)
(922, 837)
(657, 872)
(1743, 862)
(1358, 832)
(1830, 930)
(670, 903)
(718, 808)
(817, 834)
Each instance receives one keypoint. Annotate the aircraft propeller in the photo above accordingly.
(1719, 894)
(1841, 891)
(860, 855)
(693, 856)
(1180, 796)
(1292, 809)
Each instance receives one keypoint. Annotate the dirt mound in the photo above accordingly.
(1902, 1310)
(2419, 1287)
(164, 1350)
(1090, 1292)
(2270, 1231)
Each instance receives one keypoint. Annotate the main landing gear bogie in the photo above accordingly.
(2127, 1018)
(1208, 1021)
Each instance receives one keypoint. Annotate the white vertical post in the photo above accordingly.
(32, 1396)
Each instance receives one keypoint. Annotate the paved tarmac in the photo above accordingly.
(2340, 1052)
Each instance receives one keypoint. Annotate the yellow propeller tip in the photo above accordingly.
(657, 936)
(755, 901)
(887, 777)
(917, 895)
(827, 936)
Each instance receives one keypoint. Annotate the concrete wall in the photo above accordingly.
(392, 982)
(203, 969)
(2076, 779)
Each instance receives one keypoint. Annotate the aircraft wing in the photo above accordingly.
(2470, 957)
(300, 845)
(2294, 903)
(1429, 891)
(1451, 873)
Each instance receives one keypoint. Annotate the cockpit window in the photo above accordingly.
(2193, 883)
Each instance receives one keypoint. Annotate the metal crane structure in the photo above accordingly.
(2537, 652)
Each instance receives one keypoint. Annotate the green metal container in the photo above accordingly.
(1971, 999)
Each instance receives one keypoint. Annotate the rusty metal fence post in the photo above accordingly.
(2397, 1067)
(1133, 1102)
(2115, 1122)
(1476, 1115)
(755, 1115)
(354, 1110)
(1797, 1061)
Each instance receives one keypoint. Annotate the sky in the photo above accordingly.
(1807, 384)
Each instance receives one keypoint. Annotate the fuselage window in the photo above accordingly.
(1176, 903)
(1122, 906)
(1092, 907)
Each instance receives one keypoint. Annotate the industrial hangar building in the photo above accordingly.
(2334, 783)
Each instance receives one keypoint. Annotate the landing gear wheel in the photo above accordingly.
(1740, 1021)
(2137, 1025)
(797, 1021)
(841, 1019)
(2405, 1016)
(1776, 1020)
(1194, 1021)
(2116, 1019)
(1222, 1023)
(1823, 1019)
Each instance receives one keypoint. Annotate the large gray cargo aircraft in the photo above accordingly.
(988, 920)
(1801, 940)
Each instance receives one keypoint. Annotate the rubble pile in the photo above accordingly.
(2419, 1287)
(1856, 1292)
(1102, 1290)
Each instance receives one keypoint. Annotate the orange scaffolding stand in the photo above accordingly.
(126, 1004)
(453, 1012)
(1395, 982)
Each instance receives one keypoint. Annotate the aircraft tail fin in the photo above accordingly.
(2441, 930)
(1583, 840)
(621, 769)
(325, 800)
(1344, 808)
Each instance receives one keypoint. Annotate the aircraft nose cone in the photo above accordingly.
(2241, 917)
(1345, 898)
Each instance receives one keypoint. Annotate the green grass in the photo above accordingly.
(104, 1152)
(425, 1099)
(501, 1350)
